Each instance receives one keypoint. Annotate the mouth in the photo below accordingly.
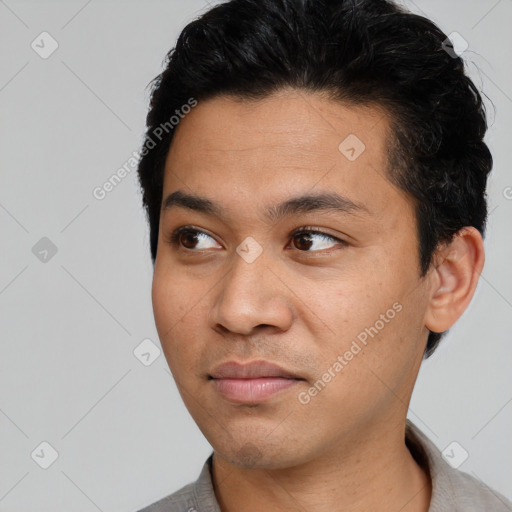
(253, 382)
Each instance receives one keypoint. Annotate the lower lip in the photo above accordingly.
(252, 390)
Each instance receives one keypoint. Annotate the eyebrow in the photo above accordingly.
(321, 202)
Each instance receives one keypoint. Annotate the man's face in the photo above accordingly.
(350, 295)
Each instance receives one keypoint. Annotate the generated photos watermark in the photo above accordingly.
(342, 361)
(101, 192)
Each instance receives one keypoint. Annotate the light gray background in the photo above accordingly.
(70, 325)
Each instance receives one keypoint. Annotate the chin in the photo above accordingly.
(260, 454)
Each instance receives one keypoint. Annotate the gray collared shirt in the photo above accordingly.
(452, 490)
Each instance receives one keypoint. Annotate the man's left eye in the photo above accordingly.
(306, 239)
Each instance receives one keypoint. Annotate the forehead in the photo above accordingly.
(286, 144)
(293, 120)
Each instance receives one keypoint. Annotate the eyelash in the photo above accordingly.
(305, 230)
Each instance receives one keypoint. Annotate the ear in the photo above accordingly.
(454, 276)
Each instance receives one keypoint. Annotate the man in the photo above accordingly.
(315, 225)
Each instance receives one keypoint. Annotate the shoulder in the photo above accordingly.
(179, 501)
(472, 494)
(452, 489)
(197, 496)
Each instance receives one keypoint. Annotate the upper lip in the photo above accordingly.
(252, 370)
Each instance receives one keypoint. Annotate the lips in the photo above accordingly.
(254, 370)
(251, 383)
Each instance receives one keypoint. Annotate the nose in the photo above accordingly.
(251, 296)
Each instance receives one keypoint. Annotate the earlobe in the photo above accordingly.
(453, 278)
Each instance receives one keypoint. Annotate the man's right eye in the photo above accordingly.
(187, 237)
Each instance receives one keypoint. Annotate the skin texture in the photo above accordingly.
(301, 303)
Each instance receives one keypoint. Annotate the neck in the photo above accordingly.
(376, 471)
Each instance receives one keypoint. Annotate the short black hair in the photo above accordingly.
(360, 52)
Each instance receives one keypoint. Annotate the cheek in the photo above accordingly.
(170, 298)
(371, 313)
(355, 301)
(164, 305)
(170, 295)
(178, 311)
